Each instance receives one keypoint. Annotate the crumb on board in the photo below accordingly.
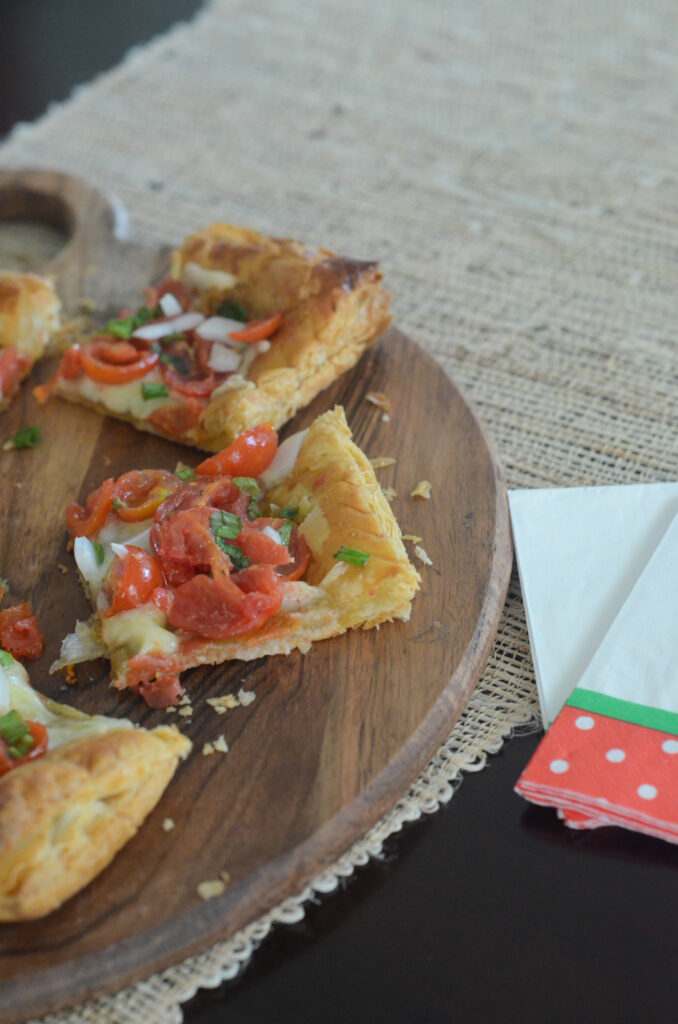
(168, 824)
(389, 493)
(62, 568)
(71, 677)
(379, 399)
(385, 418)
(211, 888)
(223, 704)
(18, 483)
(246, 696)
(170, 710)
(185, 699)
(207, 749)
(422, 556)
(422, 490)
(381, 461)
(412, 537)
(186, 711)
(219, 746)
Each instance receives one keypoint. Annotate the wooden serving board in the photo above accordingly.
(333, 738)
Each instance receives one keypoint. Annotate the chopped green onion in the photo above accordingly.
(238, 558)
(288, 513)
(16, 734)
(247, 484)
(233, 310)
(118, 504)
(124, 327)
(6, 659)
(98, 551)
(225, 525)
(28, 437)
(152, 389)
(184, 472)
(254, 510)
(176, 362)
(352, 556)
(285, 532)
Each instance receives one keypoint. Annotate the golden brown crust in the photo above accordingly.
(333, 308)
(29, 315)
(64, 816)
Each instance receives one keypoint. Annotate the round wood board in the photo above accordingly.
(334, 737)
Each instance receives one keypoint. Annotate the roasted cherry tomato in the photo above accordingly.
(137, 494)
(196, 387)
(39, 734)
(176, 420)
(84, 522)
(14, 366)
(258, 330)
(249, 455)
(259, 547)
(155, 677)
(132, 580)
(20, 633)
(217, 608)
(300, 554)
(116, 362)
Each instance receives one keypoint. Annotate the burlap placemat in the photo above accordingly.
(512, 166)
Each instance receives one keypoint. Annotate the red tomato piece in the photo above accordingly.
(14, 366)
(300, 554)
(116, 362)
(85, 522)
(258, 330)
(20, 633)
(138, 494)
(217, 608)
(249, 455)
(177, 420)
(259, 547)
(39, 734)
(192, 388)
(155, 677)
(132, 580)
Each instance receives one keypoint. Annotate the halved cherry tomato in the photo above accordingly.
(88, 520)
(20, 633)
(191, 388)
(185, 544)
(216, 608)
(176, 420)
(249, 455)
(39, 734)
(169, 286)
(14, 366)
(116, 362)
(132, 580)
(259, 547)
(300, 554)
(137, 494)
(258, 330)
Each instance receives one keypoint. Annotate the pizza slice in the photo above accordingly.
(260, 550)
(247, 329)
(74, 789)
(29, 316)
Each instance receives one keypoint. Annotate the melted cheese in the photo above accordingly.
(123, 399)
(138, 631)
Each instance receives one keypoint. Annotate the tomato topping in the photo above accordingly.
(258, 330)
(300, 554)
(176, 420)
(14, 366)
(39, 734)
(116, 362)
(185, 544)
(169, 286)
(137, 494)
(132, 580)
(155, 677)
(261, 548)
(191, 388)
(249, 455)
(217, 608)
(84, 522)
(20, 633)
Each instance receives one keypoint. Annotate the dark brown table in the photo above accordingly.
(490, 910)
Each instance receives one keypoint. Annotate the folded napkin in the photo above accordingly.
(611, 756)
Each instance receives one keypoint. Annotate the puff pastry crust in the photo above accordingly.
(340, 503)
(29, 315)
(64, 816)
(333, 308)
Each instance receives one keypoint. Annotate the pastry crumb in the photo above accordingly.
(62, 568)
(223, 704)
(389, 493)
(171, 711)
(185, 699)
(18, 483)
(381, 461)
(207, 749)
(225, 877)
(385, 418)
(209, 889)
(422, 556)
(168, 824)
(413, 537)
(221, 745)
(379, 399)
(422, 490)
(246, 696)
(71, 677)
(186, 711)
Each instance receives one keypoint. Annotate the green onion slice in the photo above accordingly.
(247, 484)
(98, 551)
(285, 532)
(153, 389)
(117, 503)
(225, 525)
(28, 437)
(6, 659)
(238, 558)
(289, 513)
(233, 310)
(352, 555)
(124, 327)
(184, 472)
(16, 734)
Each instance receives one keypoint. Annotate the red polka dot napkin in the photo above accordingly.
(611, 756)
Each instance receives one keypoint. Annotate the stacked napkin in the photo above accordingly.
(611, 755)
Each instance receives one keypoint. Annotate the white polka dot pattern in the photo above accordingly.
(616, 756)
(647, 791)
(584, 722)
(559, 766)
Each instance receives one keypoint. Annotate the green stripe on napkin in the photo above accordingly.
(625, 710)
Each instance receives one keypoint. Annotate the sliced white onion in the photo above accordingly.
(283, 460)
(86, 560)
(4, 691)
(153, 331)
(218, 328)
(223, 359)
(273, 534)
(141, 540)
(170, 305)
(119, 549)
(83, 645)
(202, 278)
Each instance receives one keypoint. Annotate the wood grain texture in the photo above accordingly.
(333, 738)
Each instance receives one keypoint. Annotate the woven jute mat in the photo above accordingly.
(512, 166)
